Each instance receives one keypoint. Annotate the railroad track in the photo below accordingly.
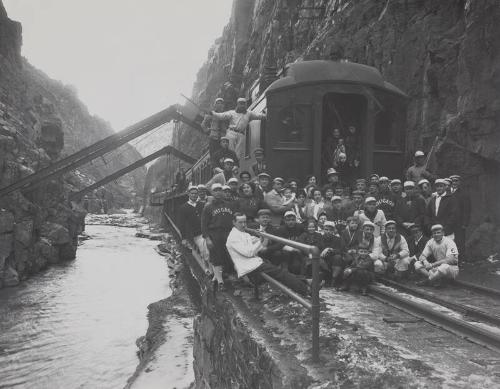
(484, 328)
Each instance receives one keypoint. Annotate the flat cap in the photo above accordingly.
(454, 176)
(440, 181)
(329, 223)
(228, 160)
(388, 222)
(278, 179)
(423, 181)
(226, 187)
(264, 174)
(241, 100)
(395, 181)
(264, 211)
(336, 198)
(368, 223)
(374, 175)
(383, 179)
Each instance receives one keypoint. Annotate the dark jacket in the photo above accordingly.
(314, 239)
(249, 206)
(273, 246)
(411, 211)
(463, 201)
(222, 154)
(217, 216)
(348, 242)
(259, 169)
(291, 233)
(386, 201)
(417, 248)
(447, 213)
(190, 220)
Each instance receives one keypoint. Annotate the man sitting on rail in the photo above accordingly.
(244, 250)
(395, 253)
(445, 254)
(238, 123)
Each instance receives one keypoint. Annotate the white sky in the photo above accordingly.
(127, 58)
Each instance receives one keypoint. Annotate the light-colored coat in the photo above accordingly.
(243, 249)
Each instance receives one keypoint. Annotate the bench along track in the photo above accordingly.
(482, 336)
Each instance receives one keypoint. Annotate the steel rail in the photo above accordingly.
(478, 288)
(313, 253)
(460, 327)
(465, 309)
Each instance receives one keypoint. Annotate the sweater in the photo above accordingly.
(217, 216)
(190, 220)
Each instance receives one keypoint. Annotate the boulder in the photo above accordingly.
(24, 232)
(55, 233)
(67, 252)
(6, 246)
(6, 221)
(10, 277)
(44, 249)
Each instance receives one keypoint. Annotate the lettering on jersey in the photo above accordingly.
(387, 202)
(218, 211)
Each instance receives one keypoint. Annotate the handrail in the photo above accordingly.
(313, 253)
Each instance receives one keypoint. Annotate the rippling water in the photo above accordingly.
(75, 326)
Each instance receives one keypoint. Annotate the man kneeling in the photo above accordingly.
(244, 249)
(444, 251)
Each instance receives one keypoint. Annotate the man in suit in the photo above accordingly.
(260, 166)
(442, 209)
(463, 201)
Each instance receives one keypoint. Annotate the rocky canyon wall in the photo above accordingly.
(42, 120)
(444, 54)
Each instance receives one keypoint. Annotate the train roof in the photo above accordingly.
(320, 71)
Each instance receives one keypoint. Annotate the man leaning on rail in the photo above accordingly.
(244, 248)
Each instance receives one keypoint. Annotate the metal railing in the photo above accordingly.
(313, 253)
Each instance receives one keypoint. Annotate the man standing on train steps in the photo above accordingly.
(260, 166)
(223, 153)
(216, 222)
(215, 129)
(238, 123)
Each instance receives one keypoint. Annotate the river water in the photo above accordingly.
(75, 326)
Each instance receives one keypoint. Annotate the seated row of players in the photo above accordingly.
(349, 231)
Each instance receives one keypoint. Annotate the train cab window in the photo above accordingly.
(293, 124)
(389, 122)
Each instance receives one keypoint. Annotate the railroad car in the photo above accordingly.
(307, 104)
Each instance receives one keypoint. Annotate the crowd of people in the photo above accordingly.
(379, 227)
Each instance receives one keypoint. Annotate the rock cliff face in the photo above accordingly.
(41, 120)
(444, 54)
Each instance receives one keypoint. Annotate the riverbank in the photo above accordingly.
(166, 351)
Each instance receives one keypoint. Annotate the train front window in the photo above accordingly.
(389, 122)
(293, 123)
